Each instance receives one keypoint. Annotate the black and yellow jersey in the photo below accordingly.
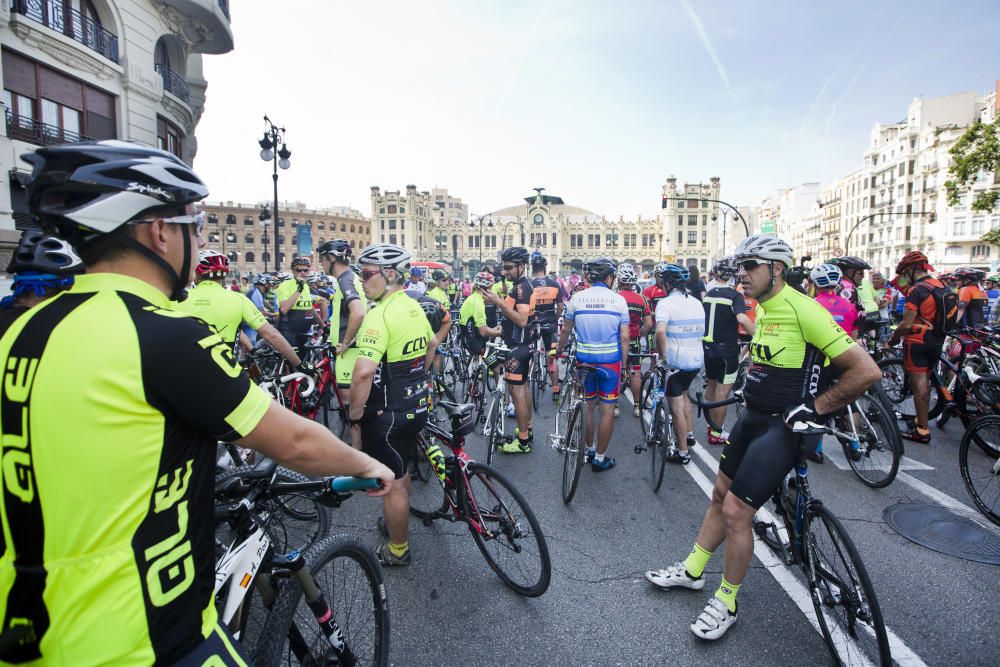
(349, 289)
(299, 317)
(793, 340)
(394, 334)
(223, 309)
(110, 409)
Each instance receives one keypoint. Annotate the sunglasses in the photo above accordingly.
(750, 264)
(509, 267)
(305, 270)
(198, 219)
(367, 274)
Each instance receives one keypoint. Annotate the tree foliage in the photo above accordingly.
(977, 151)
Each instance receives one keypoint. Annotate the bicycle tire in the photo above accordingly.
(658, 448)
(474, 391)
(837, 578)
(537, 380)
(333, 416)
(646, 406)
(880, 448)
(897, 388)
(574, 454)
(978, 468)
(493, 429)
(366, 630)
(427, 496)
(481, 490)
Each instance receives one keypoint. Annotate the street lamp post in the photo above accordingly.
(478, 222)
(847, 243)
(270, 152)
(503, 234)
(725, 226)
(264, 216)
(441, 239)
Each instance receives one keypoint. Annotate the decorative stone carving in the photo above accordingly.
(190, 30)
(69, 53)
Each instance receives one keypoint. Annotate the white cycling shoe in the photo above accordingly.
(713, 622)
(674, 576)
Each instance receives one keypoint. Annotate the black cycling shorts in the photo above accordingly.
(518, 362)
(679, 381)
(391, 438)
(634, 360)
(760, 452)
(722, 362)
(549, 338)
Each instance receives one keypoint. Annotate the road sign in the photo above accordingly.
(670, 258)
(767, 227)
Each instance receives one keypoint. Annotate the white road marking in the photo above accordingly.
(833, 450)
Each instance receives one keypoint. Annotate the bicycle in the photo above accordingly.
(540, 359)
(571, 441)
(980, 466)
(258, 591)
(656, 422)
(496, 514)
(493, 427)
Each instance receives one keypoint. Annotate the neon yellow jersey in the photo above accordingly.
(473, 310)
(108, 478)
(500, 287)
(866, 294)
(288, 288)
(439, 295)
(394, 334)
(793, 340)
(223, 309)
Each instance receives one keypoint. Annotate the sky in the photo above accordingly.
(598, 102)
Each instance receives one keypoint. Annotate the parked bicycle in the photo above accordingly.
(496, 386)
(655, 420)
(980, 465)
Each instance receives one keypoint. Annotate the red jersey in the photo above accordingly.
(653, 294)
(638, 310)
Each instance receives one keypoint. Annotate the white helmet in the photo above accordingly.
(386, 254)
(626, 274)
(764, 247)
(826, 275)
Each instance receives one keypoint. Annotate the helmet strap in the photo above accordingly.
(177, 282)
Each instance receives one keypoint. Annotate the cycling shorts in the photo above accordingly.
(219, 648)
(345, 367)
(518, 362)
(603, 381)
(921, 357)
(634, 360)
(549, 338)
(760, 452)
(722, 362)
(679, 381)
(391, 438)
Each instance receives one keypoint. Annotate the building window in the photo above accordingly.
(977, 225)
(692, 237)
(248, 221)
(352, 229)
(692, 220)
(230, 219)
(959, 227)
(343, 226)
(391, 209)
(249, 257)
(168, 136)
(248, 238)
(392, 238)
(680, 238)
(980, 251)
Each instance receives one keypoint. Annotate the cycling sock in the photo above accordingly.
(599, 458)
(727, 594)
(696, 561)
(399, 550)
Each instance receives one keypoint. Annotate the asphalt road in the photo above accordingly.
(448, 608)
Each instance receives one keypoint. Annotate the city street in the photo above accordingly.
(448, 608)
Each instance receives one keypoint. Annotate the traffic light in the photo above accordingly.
(663, 204)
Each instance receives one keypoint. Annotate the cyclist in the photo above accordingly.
(547, 301)
(416, 281)
(516, 309)
(826, 278)
(600, 319)
(972, 300)
(993, 294)
(435, 287)
(389, 397)
(108, 541)
(226, 311)
(680, 326)
(295, 304)
(695, 287)
(793, 337)
(852, 285)
(922, 330)
(725, 314)
(655, 291)
(474, 316)
(640, 323)
(43, 266)
(440, 319)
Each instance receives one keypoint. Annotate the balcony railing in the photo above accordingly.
(70, 22)
(224, 6)
(23, 128)
(174, 83)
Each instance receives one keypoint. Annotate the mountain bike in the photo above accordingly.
(657, 424)
(980, 465)
(463, 491)
(259, 592)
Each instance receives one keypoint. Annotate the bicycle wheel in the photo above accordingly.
(426, 491)
(980, 468)
(842, 594)
(506, 531)
(352, 583)
(537, 379)
(897, 388)
(333, 414)
(646, 406)
(493, 429)
(658, 448)
(879, 446)
(573, 457)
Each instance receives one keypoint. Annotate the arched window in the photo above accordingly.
(231, 237)
(233, 256)
(248, 238)
(249, 257)
(352, 228)
(230, 219)
(352, 244)
(281, 239)
(281, 257)
(343, 226)
(160, 55)
(248, 221)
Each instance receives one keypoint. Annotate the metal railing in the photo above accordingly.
(70, 22)
(224, 6)
(23, 128)
(174, 83)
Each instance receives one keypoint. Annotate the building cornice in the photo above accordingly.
(74, 56)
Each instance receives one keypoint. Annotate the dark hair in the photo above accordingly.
(693, 270)
(108, 247)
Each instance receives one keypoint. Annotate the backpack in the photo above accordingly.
(946, 300)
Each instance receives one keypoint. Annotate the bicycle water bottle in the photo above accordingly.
(436, 457)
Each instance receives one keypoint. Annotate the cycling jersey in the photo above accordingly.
(9, 315)
(684, 318)
(222, 309)
(438, 295)
(975, 310)
(866, 295)
(920, 299)
(844, 313)
(792, 341)
(653, 293)
(472, 316)
(394, 334)
(108, 478)
(597, 314)
(638, 310)
(348, 289)
(442, 315)
(299, 317)
(518, 298)
(545, 296)
(722, 305)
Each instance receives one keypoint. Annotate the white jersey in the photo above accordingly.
(684, 317)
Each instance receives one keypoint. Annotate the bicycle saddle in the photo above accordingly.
(457, 409)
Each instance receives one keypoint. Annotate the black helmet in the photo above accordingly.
(438, 274)
(515, 255)
(600, 269)
(42, 253)
(538, 259)
(339, 248)
(491, 266)
(432, 309)
(850, 263)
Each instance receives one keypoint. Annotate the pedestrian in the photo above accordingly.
(695, 287)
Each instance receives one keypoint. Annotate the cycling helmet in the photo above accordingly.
(915, 259)
(212, 264)
(432, 310)
(439, 275)
(339, 248)
(993, 278)
(659, 268)
(356, 268)
(674, 274)
(283, 276)
(389, 256)
(484, 279)
(538, 259)
(492, 266)
(301, 260)
(850, 263)
(769, 248)
(600, 269)
(415, 272)
(970, 274)
(515, 255)
(725, 268)
(626, 274)
(44, 254)
(825, 275)
(262, 279)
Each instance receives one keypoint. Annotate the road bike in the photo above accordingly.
(498, 517)
(657, 424)
(539, 374)
(493, 427)
(980, 465)
(569, 437)
(324, 604)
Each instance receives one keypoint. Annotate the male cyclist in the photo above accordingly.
(600, 319)
(516, 309)
(725, 313)
(972, 300)
(416, 281)
(992, 295)
(435, 288)
(225, 310)
(43, 266)
(793, 338)
(853, 285)
(680, 327)
(389, 398)
(640, 323)
(653, 293)
(547, 300)
(439, 317)
(108, 546)
(473, 317)
(295, 304)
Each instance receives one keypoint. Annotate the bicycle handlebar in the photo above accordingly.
(345, 484)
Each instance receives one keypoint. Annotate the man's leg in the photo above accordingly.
(718, 392)
(522, 407)
(606, 426)
(679, 415)
(921, 387)
(738, 517)
(591, 414)
(396, 507)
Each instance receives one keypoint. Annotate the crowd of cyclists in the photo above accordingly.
(116, 392)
